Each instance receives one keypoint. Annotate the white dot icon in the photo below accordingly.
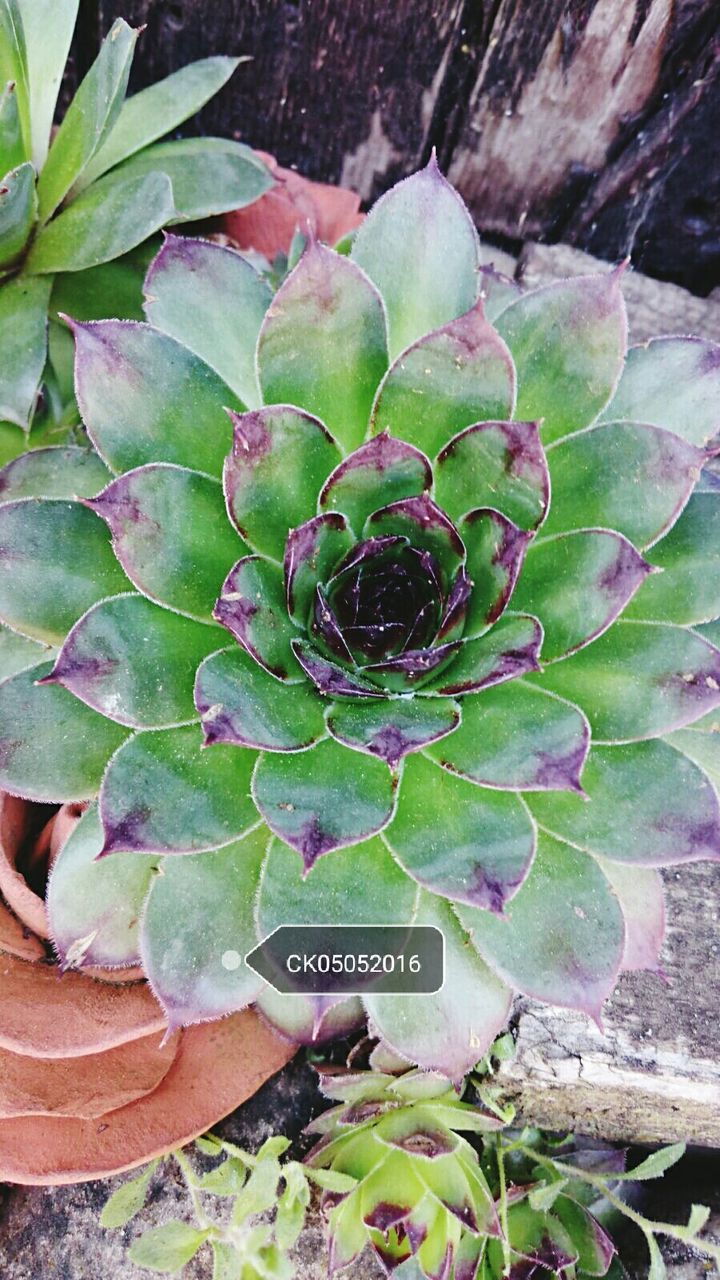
(231, 960)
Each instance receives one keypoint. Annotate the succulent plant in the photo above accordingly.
(74, 210)
(355, 616)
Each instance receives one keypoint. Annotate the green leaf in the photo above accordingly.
(508, 650)
(145, 398)
(167, 1248)
(518, 737)
(89, 118)
(656, 1164)
(568, 341)
(198, 926)
(240, 702)
(135, 663)
(17, 653)
(12, 149)
(23, 322)
(332, 1180)
(459, 1022)
(322, 799)
(561, 939)
(225, 1179)
(688, 589)
(157, 110)
(461, 841)
(280, 459)
(334, 376)
(252, 608)
(102, 225)
(360, 885)
(163, 794)
(543, 1197)
(624, 476)
(313, 550)
(213, 301)
(208, 175)
(111, 288)
(577, 584)
(57, 472)
(639, 680)
(259, 1193)
(495, 464)
(125, 1203)
(98, 902)
(52, 747)
(172, 536)
(419, 246)
(13, 66)
(453, 377)
(657, 1269)
(392, 728)
(58, 562)
(495, 553)
(648, 805)
(18, 208)
(48, 26)
(594, 1246)
(426, 527)
(380, 472)
(673, 383)
(228, 1264)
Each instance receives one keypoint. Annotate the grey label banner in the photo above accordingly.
(344, 960)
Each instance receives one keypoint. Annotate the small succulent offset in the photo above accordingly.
(391, 597)
(437, 1185)
(71, 207)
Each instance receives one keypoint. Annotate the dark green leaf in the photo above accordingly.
(23, 323)
(18, 208)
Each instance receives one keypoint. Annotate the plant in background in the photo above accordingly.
(387, 598)
(436, 1186)
(73, 210)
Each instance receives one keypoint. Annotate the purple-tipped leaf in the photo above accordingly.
(568, 342)
(239, 702)
(450, 379)
(577, 584)
(393, 728)
(459, 840)
(594, 1247)
(495, 464)
(457, 605)
(426, 527)
(252, 608)
(413, 668)
(279, 461)
(509, 649)
(382, 471)
(496, 551)
(312, 552)
(331, 679)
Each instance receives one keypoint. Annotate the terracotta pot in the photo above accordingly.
(269, 225)
(88, 1085)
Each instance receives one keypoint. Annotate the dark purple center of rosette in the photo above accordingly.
(386, 598)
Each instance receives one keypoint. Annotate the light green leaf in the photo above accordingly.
(12, 149)
(688, 589)
(639, 680)
(334, 376)
(163, 794)
(208, 175)
(167, 1248)
(657, 1269)
(89, 118)
(125, 1203)
(518, 737)
(656, 1164)
(391, 728)
(240, 702)
(13, 66)
(52, 747)
(57, 472)
(461, 841)
(199, 925)
(544, 1196)
(23, 323)
(145, 398)
(213, 301)
(98, 901)
(568, 341)
(100, 226)
(18, 207)
(260, 1191)
(561, 939)
(673, 383)
(225, 1179)
(419, 246)
(228, 1264)
(48, 26)
(62, 563)
(646, 804)
(157, 110)
(495, 464)
(17, 653)
(134, 662)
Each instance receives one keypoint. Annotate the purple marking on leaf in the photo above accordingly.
(385, 1215)
(524, 454)
(330, 679)
(423, 513)
(427, 1142)
(512, 662)
(548, 1256)
(562, 773)
(302, 547)
(379, 454)
(235, 610)
(414, 665)
(456, 605)
(312, 842)
(126, 834)
(490, 893)
(508, 556)
(119, 508)
(325, 627)
(367, 550)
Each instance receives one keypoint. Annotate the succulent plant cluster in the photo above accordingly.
(76, 207)
(387, 597)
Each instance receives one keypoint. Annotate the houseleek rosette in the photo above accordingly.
(326, 649)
